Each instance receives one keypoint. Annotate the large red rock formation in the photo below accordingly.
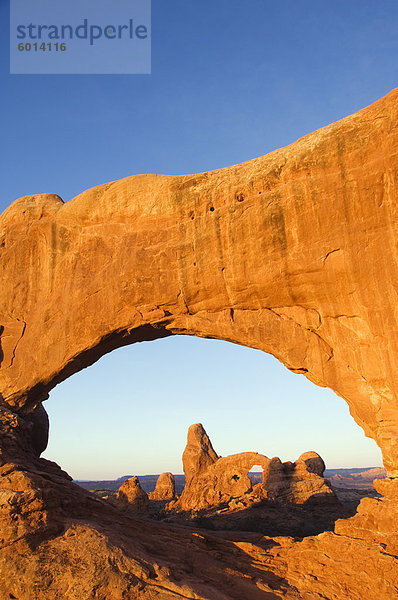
(199, 453)
(293, 253)
(211, 480)
(298, 482)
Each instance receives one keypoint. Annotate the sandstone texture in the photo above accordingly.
(165, 488)
(211, 480)
(199, 453)
(132, 497)
(293, 253)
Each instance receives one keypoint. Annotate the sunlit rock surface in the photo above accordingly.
(225, 480)
(131, 496)
(165, 488)
(293, 253)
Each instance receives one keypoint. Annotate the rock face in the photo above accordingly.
(293, 253)
(299, 482)
(211, 480)
(132, 497)
(199, 453)
(165, 488)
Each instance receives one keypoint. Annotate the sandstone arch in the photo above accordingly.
(293, 253)
(212, 480)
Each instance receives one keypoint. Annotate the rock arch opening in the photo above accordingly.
(155, 391)
(256, 474)
(301, 269)
(147, 417)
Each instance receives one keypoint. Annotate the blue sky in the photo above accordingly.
(230, 81)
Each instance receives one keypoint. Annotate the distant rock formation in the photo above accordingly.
(165, 488)
(297, 482)
(362, 480)
(211, 480)
(132, 497)
(199, 453)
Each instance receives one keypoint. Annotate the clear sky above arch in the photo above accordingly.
(230, 81)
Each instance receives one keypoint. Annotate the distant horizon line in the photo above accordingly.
(182, 474)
